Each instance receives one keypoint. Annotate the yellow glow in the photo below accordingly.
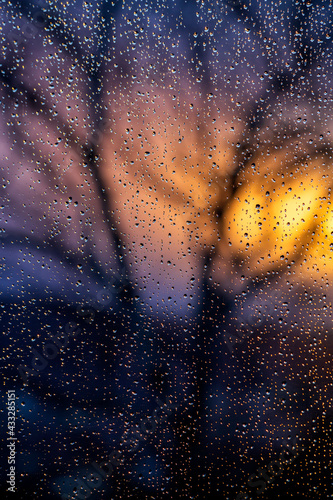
(319, 255)
(247, 219)
(270, 220)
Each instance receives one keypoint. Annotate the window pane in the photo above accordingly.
(166, 239)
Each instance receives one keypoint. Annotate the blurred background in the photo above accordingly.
(166, 237)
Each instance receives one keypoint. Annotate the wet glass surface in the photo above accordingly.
(166, 249)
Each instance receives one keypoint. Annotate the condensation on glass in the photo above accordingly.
(166, 238)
